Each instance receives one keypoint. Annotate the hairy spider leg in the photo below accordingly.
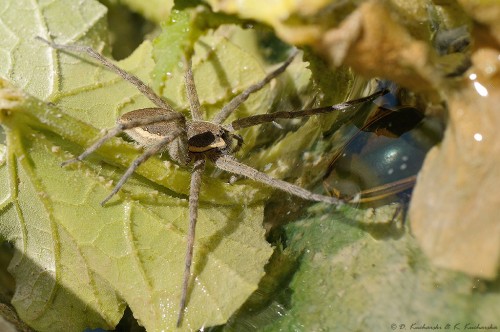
(229, 164)
(254, 120)
(384, 190)
(155, 149)
(192, 94)
(121, 128)
(194, 190)
(141, 86)
(194, 193)
(230, 107)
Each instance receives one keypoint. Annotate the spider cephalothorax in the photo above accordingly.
(207, 137)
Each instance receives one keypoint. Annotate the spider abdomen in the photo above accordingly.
(151, 134)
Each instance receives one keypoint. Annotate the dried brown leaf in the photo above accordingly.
(454, 211)
(375, 45)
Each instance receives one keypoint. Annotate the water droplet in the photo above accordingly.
(277, 125)
(481, 89)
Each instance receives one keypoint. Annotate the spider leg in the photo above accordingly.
(113, 132)
(194, 101)
(229, 108)
(194, 193)
(231, 165)
(141, 159)
(143, 87)
(264, 118)
(122, 127)
(379, 192)
(239, 143)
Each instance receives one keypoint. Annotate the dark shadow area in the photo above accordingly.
(9, 256)
(270, 301)
(127, 29)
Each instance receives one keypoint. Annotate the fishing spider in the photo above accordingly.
(196, 140)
